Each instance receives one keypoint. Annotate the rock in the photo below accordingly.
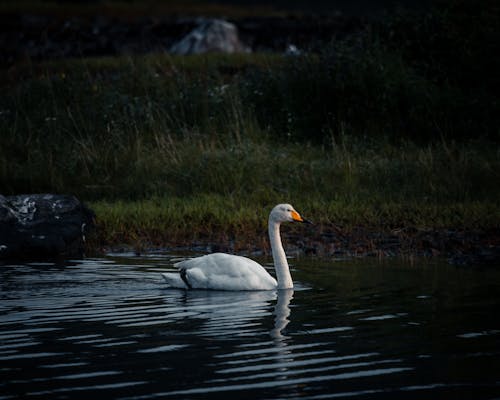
(212, 36)
(42, 226)
(292, 50)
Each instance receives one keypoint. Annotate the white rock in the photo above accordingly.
(212, 36)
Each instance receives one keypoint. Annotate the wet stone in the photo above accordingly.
(42, 226)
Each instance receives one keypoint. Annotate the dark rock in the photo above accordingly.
(43, 226)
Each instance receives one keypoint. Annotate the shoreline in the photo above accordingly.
(467, 247)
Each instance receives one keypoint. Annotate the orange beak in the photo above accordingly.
(296, 216)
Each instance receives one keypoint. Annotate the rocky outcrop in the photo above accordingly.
(211, 36)
(43, 225)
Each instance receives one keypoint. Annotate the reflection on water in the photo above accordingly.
(281, 314)
(110, 328)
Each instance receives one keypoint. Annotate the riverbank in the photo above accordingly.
(463, 234)
(477, 248)
(388, 134)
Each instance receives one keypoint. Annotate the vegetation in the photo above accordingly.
(240, 223)
(368, 132)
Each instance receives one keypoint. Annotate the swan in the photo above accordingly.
(220, 271)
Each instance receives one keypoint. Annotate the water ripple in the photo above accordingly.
(109, 328)
(274, 383)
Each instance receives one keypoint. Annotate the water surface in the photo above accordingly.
(109, 327)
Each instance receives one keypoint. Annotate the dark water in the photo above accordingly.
(108, 328)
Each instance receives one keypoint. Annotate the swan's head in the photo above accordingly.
(286, 213)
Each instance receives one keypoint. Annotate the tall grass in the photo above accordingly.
(143, 127)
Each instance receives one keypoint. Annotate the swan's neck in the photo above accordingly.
(280, 263)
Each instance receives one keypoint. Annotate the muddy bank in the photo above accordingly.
(458, 247)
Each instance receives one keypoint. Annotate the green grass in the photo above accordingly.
(242, 222)
(132, 128)
(216, 195)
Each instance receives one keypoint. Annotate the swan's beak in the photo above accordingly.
(296, 217)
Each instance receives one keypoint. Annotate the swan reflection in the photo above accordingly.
(231, 314)
(281, 314)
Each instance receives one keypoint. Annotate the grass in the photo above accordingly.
(177, 149)
(242, 223)
(131, 128)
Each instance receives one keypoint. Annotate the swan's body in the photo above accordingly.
(221, 271)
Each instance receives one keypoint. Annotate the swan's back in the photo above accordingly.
(221, 271)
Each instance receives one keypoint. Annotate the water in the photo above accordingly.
(110, 328)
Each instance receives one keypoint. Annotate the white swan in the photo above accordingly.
(221, 271)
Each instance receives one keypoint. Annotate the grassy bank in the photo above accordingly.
(241, 223)
(171, 149)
